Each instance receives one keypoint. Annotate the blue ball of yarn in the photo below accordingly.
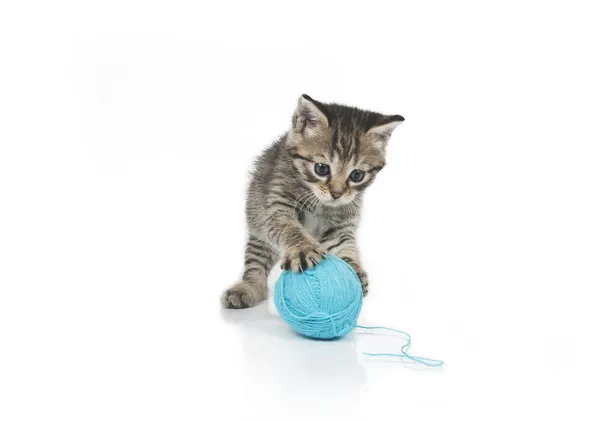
(322, 302)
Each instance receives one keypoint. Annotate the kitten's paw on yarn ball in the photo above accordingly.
(243, 295)
(362, 275)
(298, 259)
(364, 279)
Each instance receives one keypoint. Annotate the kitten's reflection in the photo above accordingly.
(301, 370)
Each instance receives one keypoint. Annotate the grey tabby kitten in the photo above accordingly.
(306, 193)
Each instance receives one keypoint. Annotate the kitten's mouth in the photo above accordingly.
(324, 198)
(334, 203)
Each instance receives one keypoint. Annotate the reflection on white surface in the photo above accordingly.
(296, 369)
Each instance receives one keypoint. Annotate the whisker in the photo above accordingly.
(307, 201)
(300, 198)
(315, 204)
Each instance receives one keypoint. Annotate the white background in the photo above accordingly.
(126, 134)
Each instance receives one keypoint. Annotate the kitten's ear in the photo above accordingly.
(310, 116)
(383, 129)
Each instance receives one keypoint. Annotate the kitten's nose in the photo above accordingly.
(336, 194)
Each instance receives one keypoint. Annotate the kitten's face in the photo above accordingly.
(338, 150)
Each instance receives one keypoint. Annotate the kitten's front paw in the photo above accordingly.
(243, 295)
(364, 281)
(362, 275)
(300, 258)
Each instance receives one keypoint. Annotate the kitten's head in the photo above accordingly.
(338, 150)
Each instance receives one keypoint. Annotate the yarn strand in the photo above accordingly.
(404, 350)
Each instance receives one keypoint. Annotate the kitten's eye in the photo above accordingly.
(322, 169)
(357, 176)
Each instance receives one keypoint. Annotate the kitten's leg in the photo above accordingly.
(300, 249)
(252, 289)
(342, 243)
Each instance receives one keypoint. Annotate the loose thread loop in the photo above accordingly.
(404, 350)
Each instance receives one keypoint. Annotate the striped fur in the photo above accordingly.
(297, 215)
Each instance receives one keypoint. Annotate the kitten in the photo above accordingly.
(306, 192)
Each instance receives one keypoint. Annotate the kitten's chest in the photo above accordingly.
(312, 223)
